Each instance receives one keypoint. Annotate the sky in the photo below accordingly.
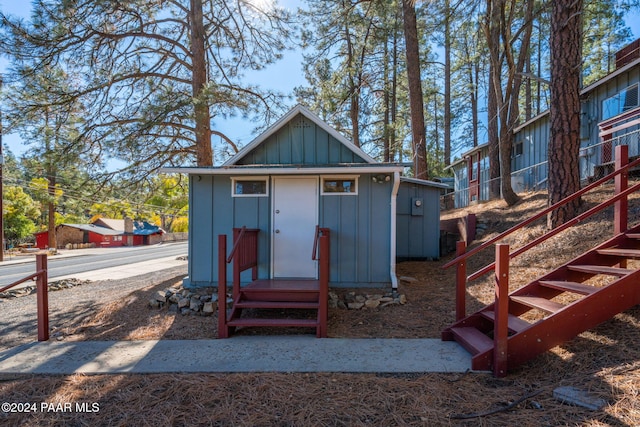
(283, 76)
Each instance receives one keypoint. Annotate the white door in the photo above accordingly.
(295, 216)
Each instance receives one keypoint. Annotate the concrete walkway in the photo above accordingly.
(237, 354)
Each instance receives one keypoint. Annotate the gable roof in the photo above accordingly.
(104, 231)
(464, 156)
(283, 121)
(114, 224)
(140, 229)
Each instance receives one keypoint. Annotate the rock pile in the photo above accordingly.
(358, 301)
(53, 286)
(204, 302)
(186, 301)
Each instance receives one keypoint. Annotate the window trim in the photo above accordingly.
(518, 149)
(339, 177)
(234, 179)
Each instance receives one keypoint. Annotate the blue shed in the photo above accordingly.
(301, 173)
(418, 219)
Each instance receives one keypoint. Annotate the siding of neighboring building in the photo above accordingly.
(66, 235)
(70, 234)
(531, 139)
(528, 163)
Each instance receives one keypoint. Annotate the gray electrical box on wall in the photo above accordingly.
(417, 206)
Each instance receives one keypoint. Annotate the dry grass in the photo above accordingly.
(604, 361)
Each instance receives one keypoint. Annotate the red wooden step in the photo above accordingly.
(575, 287)
(600, 269)
(247, 322)
(276, 304)
(472, 339)
(626, 253)
(515, 323)
(633, 235)
(278, 285)
(282, 290)
(537, 302)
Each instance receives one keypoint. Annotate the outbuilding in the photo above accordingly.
(298, 175)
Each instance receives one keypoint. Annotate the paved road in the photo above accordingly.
(78, 263)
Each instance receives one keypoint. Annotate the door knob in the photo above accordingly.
(277, 231)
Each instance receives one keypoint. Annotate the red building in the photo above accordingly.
(102, 235)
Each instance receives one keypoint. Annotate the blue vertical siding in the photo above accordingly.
(214, 212)
(418, 236)
(300, 142)
(201, 216)
(360, 229)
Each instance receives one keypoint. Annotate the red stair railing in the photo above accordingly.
(501, 265)
(244, 256)
(42, 294)
(620, 225)
(322, 238)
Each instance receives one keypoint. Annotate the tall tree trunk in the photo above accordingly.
(387, 101)
(204, 153)
(354, 113)
(474, 103)
(354, 90)
(415, 90)
(528, 110)
(564, 114)
(50, 169)
(447, 84)
(494, 142)
(500, 22)
(473, 73)
(539, 71)
(394, 99)
(492, 32)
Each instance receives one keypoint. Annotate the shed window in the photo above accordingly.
(518, 149)
(340, 185)
(249, 187)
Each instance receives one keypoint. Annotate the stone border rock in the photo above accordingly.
(53, 286)
(204, 302)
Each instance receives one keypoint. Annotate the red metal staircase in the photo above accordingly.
(263, 294)
(558, 306)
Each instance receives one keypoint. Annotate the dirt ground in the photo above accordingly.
(605, 362)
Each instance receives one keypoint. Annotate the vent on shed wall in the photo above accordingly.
(628, 54)
(301, 122)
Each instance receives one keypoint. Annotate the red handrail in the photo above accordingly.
(323, 308)
(558, 229)
(320, 231)
(543, 213)
(620, 221)
(42, 294)
(236, 244)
